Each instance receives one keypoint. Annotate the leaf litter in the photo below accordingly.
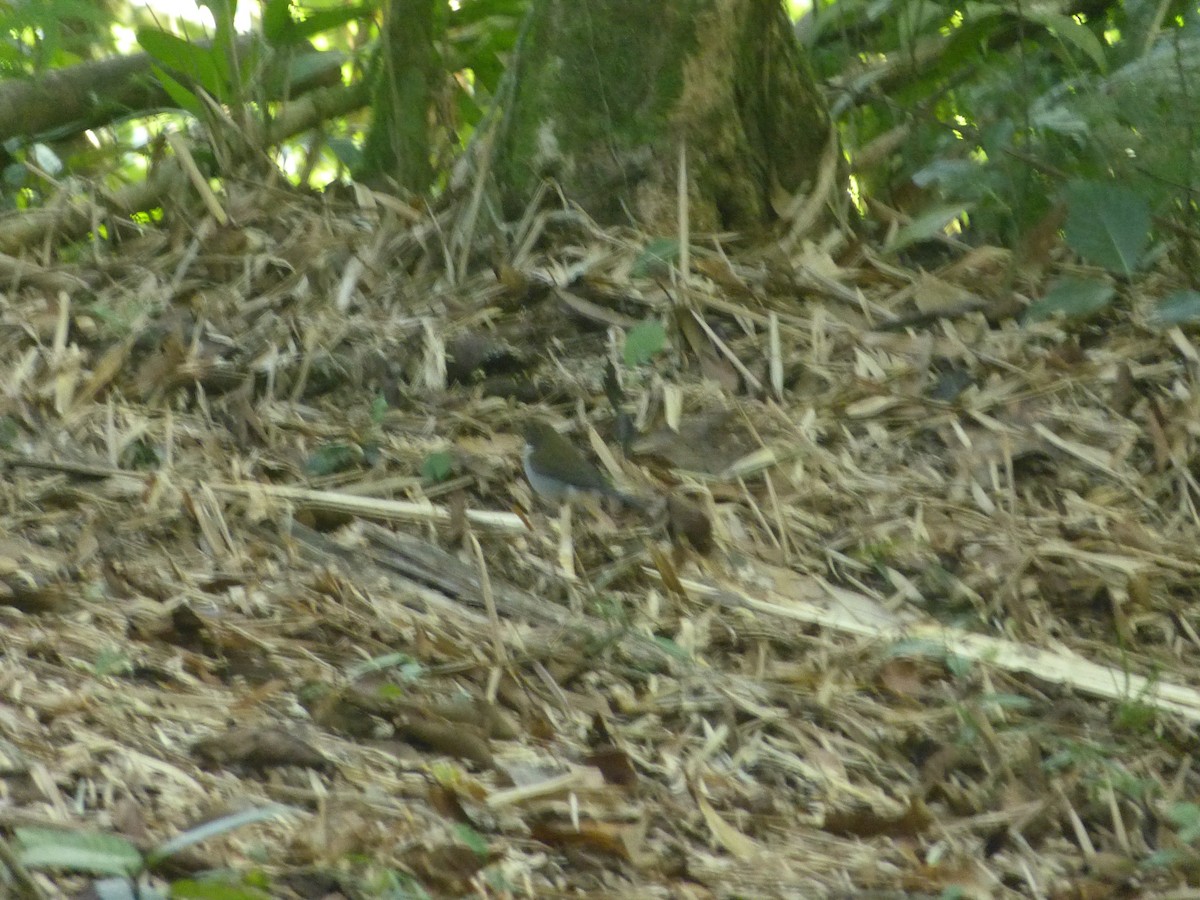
(913, 611)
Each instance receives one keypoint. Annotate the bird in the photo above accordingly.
(556, 469)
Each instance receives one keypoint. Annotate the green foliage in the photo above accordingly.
(37, 35)
(1071, 298)
(468, 43)
(407, 668)
(379, 407)
(108, 854)
(111, 661)
(9, 432)
(198, 67)
(189, 889)
(437, 467)
(472, 838)
(479, 34)
(78, 851)
(656, 258)
(1000, 106)
(928, 224)
(643, 343)
(1108, 225)
(329, 459)
(1182, 307)
(1185, 817)
(281, 28)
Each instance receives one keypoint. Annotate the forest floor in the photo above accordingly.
(912, 612)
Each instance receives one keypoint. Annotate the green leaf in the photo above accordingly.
(112, 661)
(437, 467)
(332, 458)
(929, 224)
(1006, 701)
(379, 408)
(217, 827)
(656, 258)
(179, 94)
(472, 838)
(462, 14)
(188, 889)
(1061, 119)
(77, 851)
(223, 12)
(410, 669)
(9, 432)
(1074, 298)
(643, 342)
(203, 65)
(918, 648)
(277, 22)
(125, 889)
(671, 648)
(1067, 30)
(1107, 224)
(348, 153)
(959, 666)
(1187, 817)
(1177, 309)
(281, 29)
(946, 171)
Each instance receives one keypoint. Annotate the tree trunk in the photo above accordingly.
(398, 143)
(604, 91)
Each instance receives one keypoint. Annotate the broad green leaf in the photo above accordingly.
(333, 458)
(410, 669)
(1187, 817)
(77, 851)
(277, 23)
(125, 889)
(475, 10)
(1069, 31)
(437, 466)
(1005, 701)
(1074, 298)
(188, 889)
(671, 648)
(379, 408)
(9, 432)
(184, 98)
(348, 153)
(217, 827)
(942, 171)
(223, 12)
(916, 647)
(46, 158)
(15, 175)
(1107, 224)
(111, 661)
(657, 257)
(1060, 119)
(302, 67)
(472, 838)
(929, 224)
(281, 29)
(202, 65)
(643, 343)
(1177, 309)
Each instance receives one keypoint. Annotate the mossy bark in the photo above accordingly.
(398, 145)
(604, 91)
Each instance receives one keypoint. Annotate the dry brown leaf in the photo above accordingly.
(258, 748)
